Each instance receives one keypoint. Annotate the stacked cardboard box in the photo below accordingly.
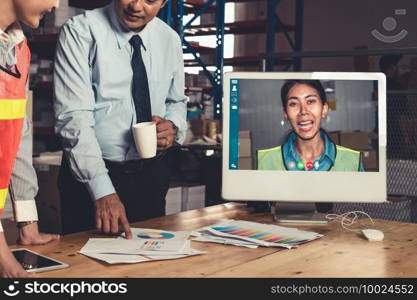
(205, 127)
(245, 151)
(359, 141)
(356, 140)
(193, 197)
(173, 201)
(202, 79)
(334, 136)
(183, 198)
(370, 160)
(198, 127)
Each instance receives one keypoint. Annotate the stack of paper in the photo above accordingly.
(252, 235)
(146, 245)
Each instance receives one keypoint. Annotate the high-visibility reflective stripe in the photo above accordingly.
(270, 149)
(12, 109)
(341, 148)
(3, 195)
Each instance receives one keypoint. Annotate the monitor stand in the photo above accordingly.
(297, 212)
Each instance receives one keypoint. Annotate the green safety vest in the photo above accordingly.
(346, 159)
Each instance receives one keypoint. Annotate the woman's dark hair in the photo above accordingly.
(289, 84)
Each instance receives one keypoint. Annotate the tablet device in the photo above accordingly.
(34, 262)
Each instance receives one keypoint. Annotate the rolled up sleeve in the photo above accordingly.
(74, 109)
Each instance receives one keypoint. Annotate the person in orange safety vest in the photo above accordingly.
(14, 70)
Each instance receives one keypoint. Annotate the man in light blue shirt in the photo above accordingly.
(95, 111)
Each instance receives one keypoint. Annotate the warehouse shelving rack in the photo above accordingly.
(173, 14)
(270, 26)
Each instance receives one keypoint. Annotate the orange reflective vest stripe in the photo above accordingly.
(12, 113)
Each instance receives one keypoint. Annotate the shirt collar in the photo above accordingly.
(123, 34)
(14, 35)
(329, 147)
(290, 151)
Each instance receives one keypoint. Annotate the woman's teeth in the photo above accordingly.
(305, 124)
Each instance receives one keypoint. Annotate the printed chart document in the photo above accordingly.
(252, 234)
(146, 245)
(123, 246)
(156, 234)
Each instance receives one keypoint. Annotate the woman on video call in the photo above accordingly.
(308, 147)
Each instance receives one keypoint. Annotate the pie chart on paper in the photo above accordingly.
(155, 235)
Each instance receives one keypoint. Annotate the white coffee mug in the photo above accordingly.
(145, 139)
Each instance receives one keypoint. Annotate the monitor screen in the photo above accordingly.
(305, 133)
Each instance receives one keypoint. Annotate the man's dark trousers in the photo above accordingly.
(141, 186)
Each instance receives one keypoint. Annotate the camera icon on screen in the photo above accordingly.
(11, 290)
(390, 24)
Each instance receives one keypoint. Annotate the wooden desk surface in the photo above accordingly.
(338, 254)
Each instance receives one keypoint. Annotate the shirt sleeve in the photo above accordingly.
(24, 184)
(176, 102)
(74, 109)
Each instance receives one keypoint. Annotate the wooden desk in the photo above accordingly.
(337, 254)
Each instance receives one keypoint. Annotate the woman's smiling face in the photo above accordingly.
(305, 110)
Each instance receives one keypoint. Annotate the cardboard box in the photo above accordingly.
(173, 201)
(193, 197)
(354, 139)
(183, 198)
(202, 79)
(334, 136)
(370, 160)
(198, 127)
(190, 79)
(245, 144)
(208, 18)
(208, 128)
(245, 163)
(213, 128)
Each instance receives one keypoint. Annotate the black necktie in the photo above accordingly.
(140, 87)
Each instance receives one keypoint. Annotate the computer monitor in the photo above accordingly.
(304, 137)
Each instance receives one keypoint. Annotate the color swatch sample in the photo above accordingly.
(255, 234)
(252, 234)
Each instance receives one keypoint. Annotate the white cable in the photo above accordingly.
(348, 219)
